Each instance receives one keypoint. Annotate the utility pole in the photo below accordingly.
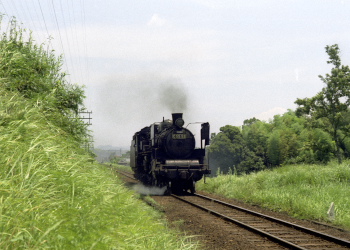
(86, 117)
(89, 118)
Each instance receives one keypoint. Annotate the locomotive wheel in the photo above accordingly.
(190, 185)
(176, 187)
(193, 187)
(182, 187)
(168, 191)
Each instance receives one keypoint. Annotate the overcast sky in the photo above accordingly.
(221, 61)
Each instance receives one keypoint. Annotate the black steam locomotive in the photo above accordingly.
(164, 154)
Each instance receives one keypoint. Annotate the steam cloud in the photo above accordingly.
(144, 190)
(132, 102)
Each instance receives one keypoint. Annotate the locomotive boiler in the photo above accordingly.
(165, 154)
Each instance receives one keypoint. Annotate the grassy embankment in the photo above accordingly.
(52, 193)
(303, 191)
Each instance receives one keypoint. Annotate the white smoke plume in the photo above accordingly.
(144, 190)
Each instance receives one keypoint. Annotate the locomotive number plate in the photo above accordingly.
(179, 136)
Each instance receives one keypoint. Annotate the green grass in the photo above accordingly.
(53, 195)
(303, 191)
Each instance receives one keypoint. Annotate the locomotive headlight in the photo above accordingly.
(179, 122)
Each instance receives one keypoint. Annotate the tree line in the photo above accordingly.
(316, 132)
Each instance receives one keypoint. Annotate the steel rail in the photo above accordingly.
(129, 175)
(283, 222)
(244, 225)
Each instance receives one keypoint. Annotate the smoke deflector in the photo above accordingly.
(205, 133)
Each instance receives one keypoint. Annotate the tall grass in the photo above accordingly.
(53, 196)
(303, 191)
(52, 193)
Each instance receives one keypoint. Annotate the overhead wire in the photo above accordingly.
(74, 38)
(70, 25)
(72, 66)
(47, 31)
(87, 66)
(3, 6)
(46, 38)
(29, 12)
(11, 19)
(2, 14)
(14, 6)
(8, 12)
(60, 37)
(24, 14)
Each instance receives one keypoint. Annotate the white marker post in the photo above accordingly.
(331, 212)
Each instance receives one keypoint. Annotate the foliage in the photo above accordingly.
(35, 73)
(274, 151)
(287, 139)
(303, 191)
(229, 151)
(332, 102)
(255, 135)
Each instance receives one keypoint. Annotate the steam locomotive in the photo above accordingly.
(165, 154)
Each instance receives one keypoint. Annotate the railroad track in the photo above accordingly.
(127, 174)
(284, 233)
(270, 229)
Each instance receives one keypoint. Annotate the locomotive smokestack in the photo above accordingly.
(176, 116)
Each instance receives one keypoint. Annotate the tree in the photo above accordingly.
(225, 148)
(274, 152)
(255, 134)
(332, 102)
(228, 150)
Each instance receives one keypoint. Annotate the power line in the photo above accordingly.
(4, 8)
(68, 44)
(47, 31)
(70, 25)
(59, 34)
(87, 66)
(74, 36)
